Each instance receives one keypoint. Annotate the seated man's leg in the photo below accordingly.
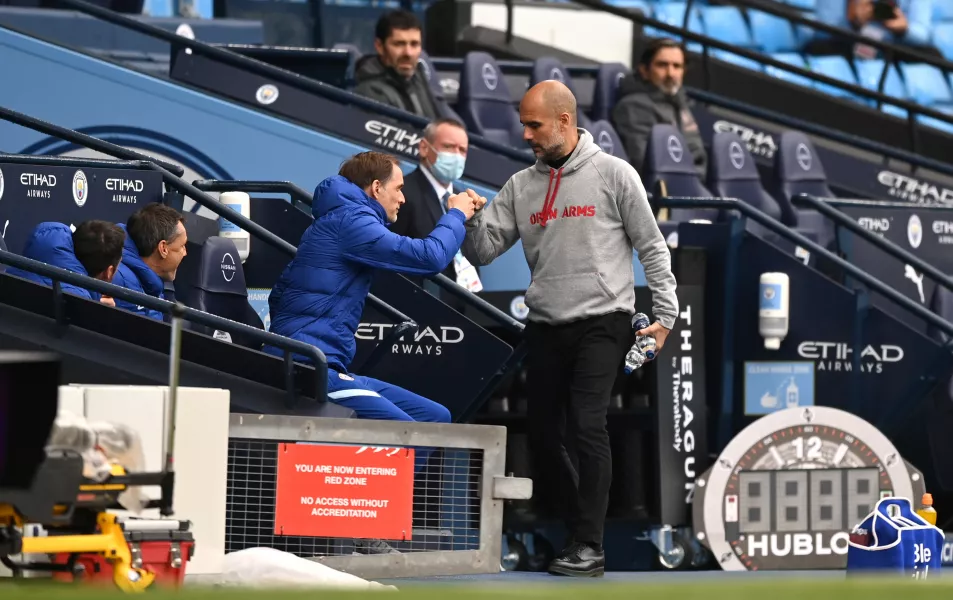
(354, 392)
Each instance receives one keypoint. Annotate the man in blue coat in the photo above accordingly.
(155, 246)
(320, 296)
(94, 250)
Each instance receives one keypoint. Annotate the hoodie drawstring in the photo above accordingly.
(554, 176)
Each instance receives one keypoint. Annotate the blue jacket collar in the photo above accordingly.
(337, 192)
(151, 283)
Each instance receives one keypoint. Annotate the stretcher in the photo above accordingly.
(73, 509)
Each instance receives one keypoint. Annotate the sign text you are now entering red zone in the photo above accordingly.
(328, 490)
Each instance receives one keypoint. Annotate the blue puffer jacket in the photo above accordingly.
(320, 295)
(134, 274)
(52, 243)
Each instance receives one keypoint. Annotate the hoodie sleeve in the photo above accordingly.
(493, 230)
(364, 239)
(647, 239)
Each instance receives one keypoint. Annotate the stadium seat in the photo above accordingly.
(801, 4)
(735, 59)
(937, 123)
(547, 67)
(943, 39)
(726, 24)
(644, 5)
(606, 90)
(926, 85)
(442, 105)
(835, 67)
(605, 136)
(794, 59)
(868, 76)
(772, 34)
(798, 170)
(732, 173)
(673, 13)
(669, 170)
(484, 101)
(942, 11)
(218, 288)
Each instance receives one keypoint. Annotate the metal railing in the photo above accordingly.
(725, 426)
(825, 206)
(274, 73)
(58, 275)
(637, 17)
(296, 193)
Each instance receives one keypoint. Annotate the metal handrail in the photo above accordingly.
(845, 138)
(637, 17)
(82, 139)
(57, 161)
(441, 279)
(883, 204)
(772, 8)
(276, 74)
(782, 230)
(289, 345)
(823, 207)
(267, 187)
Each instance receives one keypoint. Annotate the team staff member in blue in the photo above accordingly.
(320, 296)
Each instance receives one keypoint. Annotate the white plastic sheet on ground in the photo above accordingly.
(267, 567)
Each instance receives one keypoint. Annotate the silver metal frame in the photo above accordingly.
(493, 489)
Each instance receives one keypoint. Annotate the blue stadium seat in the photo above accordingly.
(669, 170)
(801, 4)
(868, 76)
(835, 67)
(942, 11)
(644, 5)
(943, 39)
(673, 13)
(547, 67)
(218, 288)
(772, 34)
(926, 85)
(936, 123)
(794, 59)
(443, 107)
(726, 24)
(484, 100)
(735, 59)
(606, 90)
(798, 170)
(606, 138)
(732, 173)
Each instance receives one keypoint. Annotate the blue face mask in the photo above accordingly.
(449, 166)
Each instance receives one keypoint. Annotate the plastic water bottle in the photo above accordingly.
(644, 347)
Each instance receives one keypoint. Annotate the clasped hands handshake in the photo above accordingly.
(469, 202)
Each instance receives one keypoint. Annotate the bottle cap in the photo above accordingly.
(927, 500)
(772, 343)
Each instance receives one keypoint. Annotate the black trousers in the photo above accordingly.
(571, 369)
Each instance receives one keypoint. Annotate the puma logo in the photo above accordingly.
(912, 275)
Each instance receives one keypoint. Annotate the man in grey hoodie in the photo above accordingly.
(579, 213)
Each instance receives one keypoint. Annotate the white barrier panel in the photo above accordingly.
(201, 452)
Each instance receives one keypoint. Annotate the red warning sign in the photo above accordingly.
(327, 490)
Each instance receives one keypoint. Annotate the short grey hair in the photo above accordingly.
(431, 129)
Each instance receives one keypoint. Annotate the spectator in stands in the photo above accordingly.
(579, 213)
(320, 296)
(908, 22)
(443, 155)
(394, 76)
(154, 248)
(94, 250)
(654, 95)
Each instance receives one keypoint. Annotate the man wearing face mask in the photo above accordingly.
(579, 213)
(652, 96)
(443, 155)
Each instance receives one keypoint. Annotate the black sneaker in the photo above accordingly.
(579, 560)
(373, 547)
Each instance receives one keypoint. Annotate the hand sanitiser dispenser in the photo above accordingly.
(773, 309)
(240, 203)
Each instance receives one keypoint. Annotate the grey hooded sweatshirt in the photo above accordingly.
(578, 224)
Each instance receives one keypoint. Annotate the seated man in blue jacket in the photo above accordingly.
(320, 296)
(155, 246)
(94, 250)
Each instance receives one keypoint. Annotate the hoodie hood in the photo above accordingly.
(150, 281)
(634, 84)
(585, 149)
(336, 192)
(52, 243)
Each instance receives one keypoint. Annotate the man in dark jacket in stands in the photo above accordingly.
(654, 95)
(320, 296)
(154, 248)
(94, 250)
(394, 76)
